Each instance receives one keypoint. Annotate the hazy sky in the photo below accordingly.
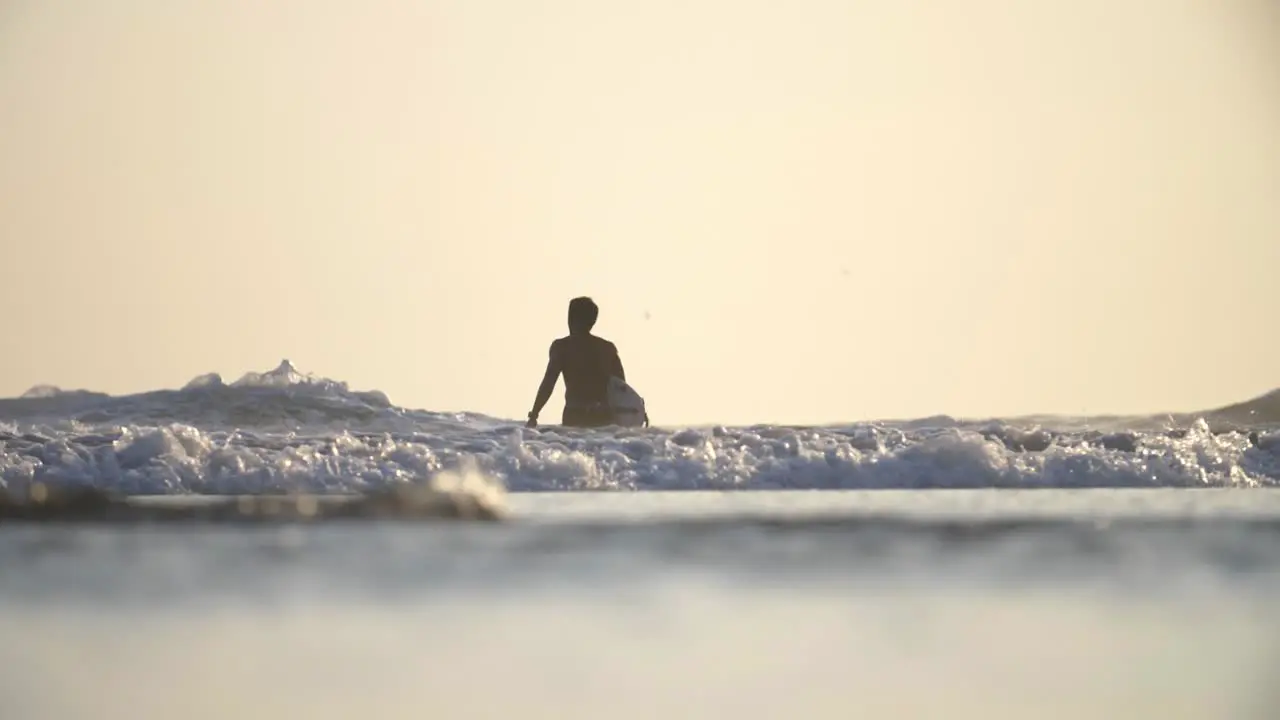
(791, 212)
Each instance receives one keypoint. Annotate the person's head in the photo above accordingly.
(582, 315)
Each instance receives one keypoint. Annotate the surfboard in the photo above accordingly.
(625, 403)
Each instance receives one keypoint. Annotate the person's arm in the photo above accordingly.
(548, 385)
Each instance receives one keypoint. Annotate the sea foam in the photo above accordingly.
(284, 431)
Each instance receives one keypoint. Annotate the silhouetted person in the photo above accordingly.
(587, 362)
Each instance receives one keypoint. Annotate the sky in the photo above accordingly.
(811, 211)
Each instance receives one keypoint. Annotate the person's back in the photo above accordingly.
(587, 362)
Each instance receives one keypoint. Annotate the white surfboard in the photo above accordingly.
(625, 403)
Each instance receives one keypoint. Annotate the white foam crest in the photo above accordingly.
(180, 458)
(285, 430)
(285, 375)
(282, 399)
(43, 391)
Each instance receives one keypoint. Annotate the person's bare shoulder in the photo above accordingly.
(610, 350)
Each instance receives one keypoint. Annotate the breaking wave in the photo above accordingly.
(286, 431)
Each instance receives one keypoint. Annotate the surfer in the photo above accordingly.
(587, 362)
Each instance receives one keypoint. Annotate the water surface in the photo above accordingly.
(992, 604)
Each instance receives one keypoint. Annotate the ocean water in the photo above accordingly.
(283, 431)
(1038, 567)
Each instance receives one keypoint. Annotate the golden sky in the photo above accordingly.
(789, 212)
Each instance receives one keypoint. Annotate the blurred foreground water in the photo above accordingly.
(987, 603)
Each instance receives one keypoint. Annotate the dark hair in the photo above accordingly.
(582, 314)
